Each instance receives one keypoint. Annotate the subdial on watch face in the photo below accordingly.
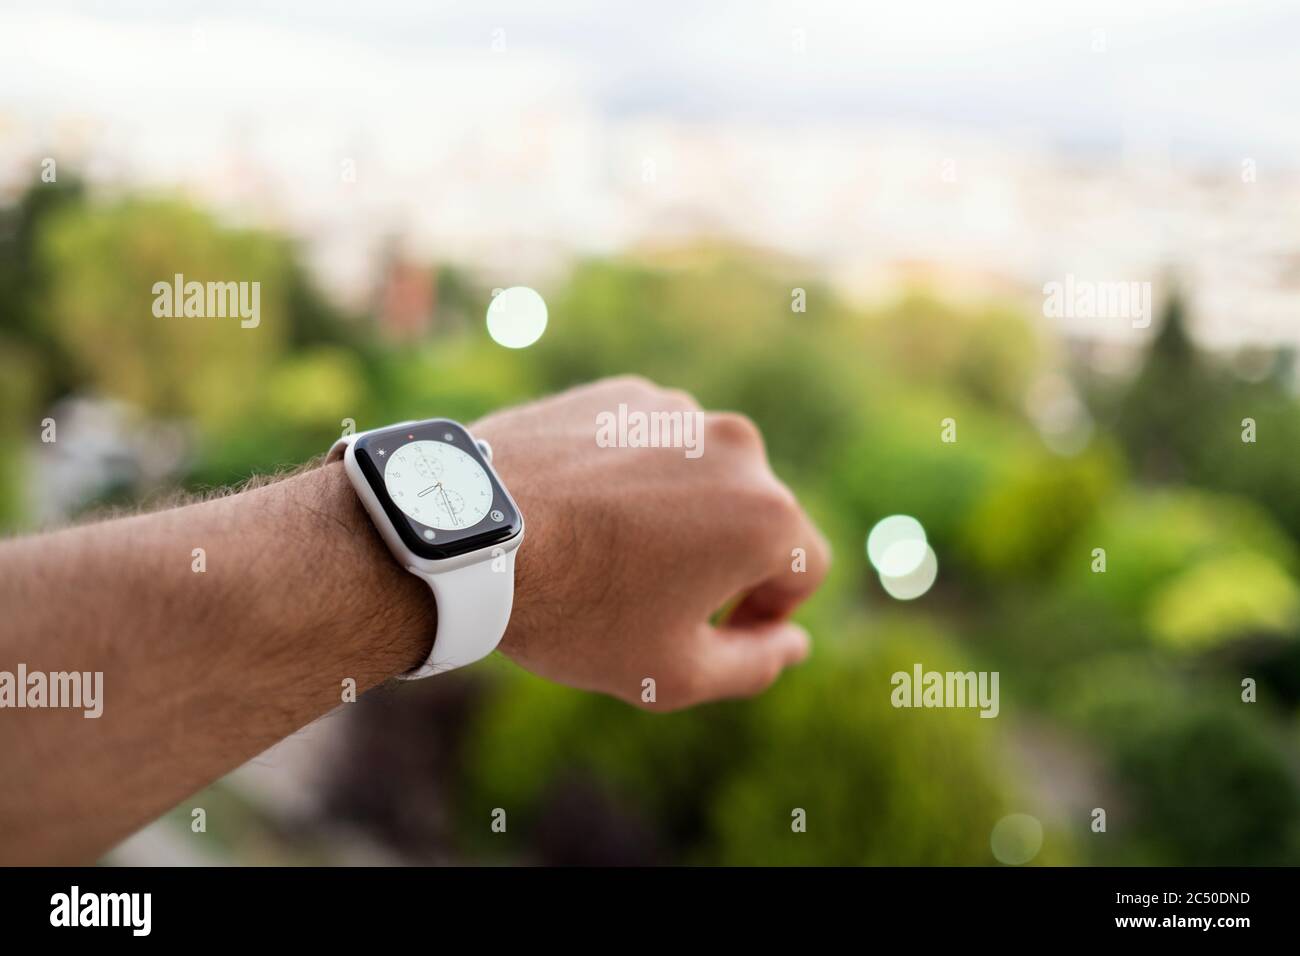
(448, 506)
(424, 465)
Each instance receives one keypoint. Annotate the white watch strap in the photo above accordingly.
(473, 610)
(474, 601)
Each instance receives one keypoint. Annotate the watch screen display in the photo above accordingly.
(438, 484)
(434, 484)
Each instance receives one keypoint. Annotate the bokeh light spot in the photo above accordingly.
(896, 545)
(516, 317)
(1016, 839)
(908, 587)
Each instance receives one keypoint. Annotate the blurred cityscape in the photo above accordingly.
(502, 149)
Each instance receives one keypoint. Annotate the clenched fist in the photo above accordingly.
(631, 550)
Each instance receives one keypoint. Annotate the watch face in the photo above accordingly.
(438, 484)
(435, 486)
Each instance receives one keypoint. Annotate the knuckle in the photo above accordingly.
(687, 690)
(735, 428)
(631, 382)
(763, 677)
(682, 399)
(821, 550)
(773, 504)
(677, 685)
(772, 522)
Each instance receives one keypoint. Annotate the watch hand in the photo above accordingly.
(426, 491)
(451, 511)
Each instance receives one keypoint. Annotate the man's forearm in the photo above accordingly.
(297, 594)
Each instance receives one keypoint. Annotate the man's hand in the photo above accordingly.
(630, 551)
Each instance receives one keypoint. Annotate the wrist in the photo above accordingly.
(389, 617)
(545, 522)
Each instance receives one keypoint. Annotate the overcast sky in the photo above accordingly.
(1216, 79)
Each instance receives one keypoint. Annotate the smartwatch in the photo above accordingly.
(430, 489)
